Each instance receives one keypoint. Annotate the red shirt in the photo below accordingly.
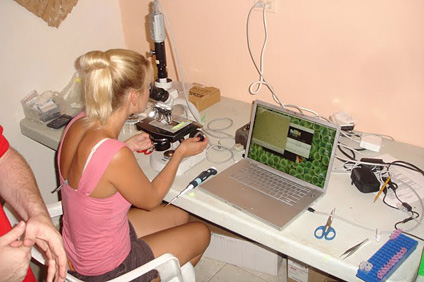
(4, 145)
(4, 222)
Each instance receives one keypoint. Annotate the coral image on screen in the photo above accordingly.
(293, 145)
(267, 124)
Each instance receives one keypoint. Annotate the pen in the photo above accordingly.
(382, 189)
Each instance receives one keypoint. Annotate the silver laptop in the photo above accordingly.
(286, 168)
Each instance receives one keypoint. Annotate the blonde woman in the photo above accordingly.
(114, 219)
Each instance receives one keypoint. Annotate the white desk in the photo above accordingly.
(297, 239)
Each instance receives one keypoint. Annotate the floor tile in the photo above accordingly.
(206, 268)
(231, 273)
(267, 277)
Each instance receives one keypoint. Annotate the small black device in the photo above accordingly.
(60, 121)
(370, 161)
(365, 180)
(242, 134)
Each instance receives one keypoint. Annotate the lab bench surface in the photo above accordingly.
(296, 240)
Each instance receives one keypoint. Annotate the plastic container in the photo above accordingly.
(42, 107)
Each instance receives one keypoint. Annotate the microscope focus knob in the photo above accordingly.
(198, 134)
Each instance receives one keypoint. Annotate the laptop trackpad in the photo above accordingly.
(253, 202)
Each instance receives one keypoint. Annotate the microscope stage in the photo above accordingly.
(175, 131)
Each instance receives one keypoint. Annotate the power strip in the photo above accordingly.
(343, 119)
(371, 142)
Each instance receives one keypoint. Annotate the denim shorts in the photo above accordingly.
(140, 254)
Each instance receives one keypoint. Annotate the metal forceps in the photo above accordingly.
(350, 251)
(326, 231)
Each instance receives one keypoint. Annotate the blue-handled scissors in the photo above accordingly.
(326, 231)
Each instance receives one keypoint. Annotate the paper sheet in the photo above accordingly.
(406, 180)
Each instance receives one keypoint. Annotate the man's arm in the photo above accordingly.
(19, 189)
(18, 186)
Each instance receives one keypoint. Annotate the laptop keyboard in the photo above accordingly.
(270, 184)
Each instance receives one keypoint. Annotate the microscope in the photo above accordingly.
(172, 118)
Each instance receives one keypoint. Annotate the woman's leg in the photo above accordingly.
(161, 218)
(187, 242)
(166, 230)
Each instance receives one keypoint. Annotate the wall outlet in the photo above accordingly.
(271, 5)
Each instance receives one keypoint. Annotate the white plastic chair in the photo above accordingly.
(167, 265)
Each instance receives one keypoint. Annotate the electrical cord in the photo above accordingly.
(312, 210)
(177, 58)
(352, 157)
(216, 132)
(352, 151)
(407, 220)
(349, 134)
(406, 165)
(262, 80)
(260, 69)
(346, 220)
(209, 132)
(219, 148)
(360, 162)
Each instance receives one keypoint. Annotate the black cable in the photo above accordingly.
(353, 157)
(412, 235)
(414, 212)
(406, 165)
(394, 187)
(348, 163)
(384, 201)
(407, 220)
(351, 133)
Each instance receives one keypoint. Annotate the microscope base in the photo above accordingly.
(158, 162)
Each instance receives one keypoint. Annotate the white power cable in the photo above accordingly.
(262, 80)
(209, 132)
(260, 69)
(181, 74)
(177, 57)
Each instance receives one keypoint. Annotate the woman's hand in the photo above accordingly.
(139, 142)
(191, 146)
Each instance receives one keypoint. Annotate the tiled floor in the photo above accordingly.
(210, 270)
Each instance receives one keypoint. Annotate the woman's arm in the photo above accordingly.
(133, 184)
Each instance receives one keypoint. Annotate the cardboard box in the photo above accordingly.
(203, 97)
(300, 272)
(231, 248)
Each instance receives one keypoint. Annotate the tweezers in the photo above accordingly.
(350, 251)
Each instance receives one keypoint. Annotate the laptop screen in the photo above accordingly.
(297, 145)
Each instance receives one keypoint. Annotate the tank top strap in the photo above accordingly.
(96, 166)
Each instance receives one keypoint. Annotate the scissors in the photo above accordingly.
(326, 231)
(147, 151)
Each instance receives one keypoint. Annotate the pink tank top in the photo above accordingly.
(95, 231)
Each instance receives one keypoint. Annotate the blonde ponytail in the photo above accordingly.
(108, 76)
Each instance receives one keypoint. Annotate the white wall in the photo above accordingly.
(36, 56)
(365, 57)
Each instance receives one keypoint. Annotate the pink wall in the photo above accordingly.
(365, 57)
